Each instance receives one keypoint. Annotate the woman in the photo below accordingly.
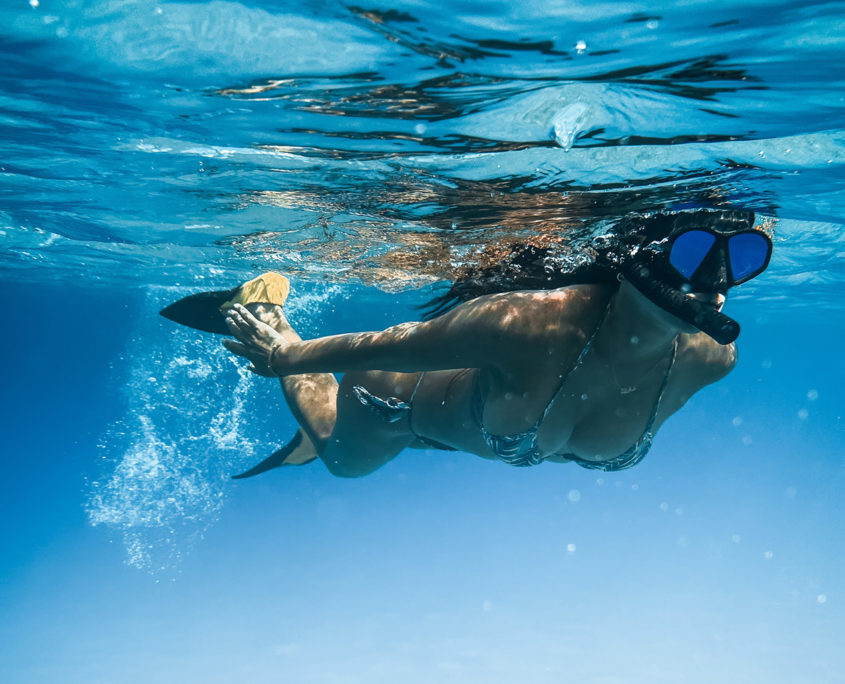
(580, 366)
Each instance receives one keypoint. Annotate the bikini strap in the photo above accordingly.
(664, 385)
(578, 362)
(390, 409)
(416, 387)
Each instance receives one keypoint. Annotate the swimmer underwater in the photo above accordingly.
(521, 362)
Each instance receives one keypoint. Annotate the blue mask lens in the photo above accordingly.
(689, 250)
(748, 253)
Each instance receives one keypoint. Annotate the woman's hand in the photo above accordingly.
(257, 340)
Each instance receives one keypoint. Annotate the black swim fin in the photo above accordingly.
(201, 311)
(276, 459)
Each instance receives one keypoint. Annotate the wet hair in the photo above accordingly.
(553, 263)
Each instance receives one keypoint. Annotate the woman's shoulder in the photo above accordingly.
(705, 359)
(570, 302)
(557, 322)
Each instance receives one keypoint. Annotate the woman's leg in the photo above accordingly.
(362, 441)
(349, 438)
(312, 397)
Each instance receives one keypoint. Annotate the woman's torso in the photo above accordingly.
(589, 414)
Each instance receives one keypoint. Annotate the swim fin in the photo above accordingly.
(201, 311)
(206, 310)
(277, 458)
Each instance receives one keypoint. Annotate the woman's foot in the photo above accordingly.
(312, 397)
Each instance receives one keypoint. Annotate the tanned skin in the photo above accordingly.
(517, 345)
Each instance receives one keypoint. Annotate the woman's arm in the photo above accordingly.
(503, 330)
(467, 337)
(508, 329)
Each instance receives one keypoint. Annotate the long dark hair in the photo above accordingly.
(553, 263)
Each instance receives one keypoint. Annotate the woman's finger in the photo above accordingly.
(239, 327)
(237, 348)
(246, 315)
(256, 326)
(246, 327)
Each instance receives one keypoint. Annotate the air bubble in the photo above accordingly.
(163, 483)
(812, 395)
(574, 496)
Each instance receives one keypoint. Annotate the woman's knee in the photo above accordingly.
(348, 465)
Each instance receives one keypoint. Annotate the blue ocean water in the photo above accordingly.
(149, 150)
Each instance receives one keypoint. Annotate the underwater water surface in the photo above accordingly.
(151, 150)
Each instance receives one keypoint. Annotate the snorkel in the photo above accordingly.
(649, 267)
(720, 327)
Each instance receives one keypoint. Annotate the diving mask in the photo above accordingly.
(703, 257)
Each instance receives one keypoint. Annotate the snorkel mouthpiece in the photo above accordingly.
(721, 328)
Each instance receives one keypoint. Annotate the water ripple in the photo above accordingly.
(159, 144)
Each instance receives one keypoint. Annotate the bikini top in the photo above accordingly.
(521, 449)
